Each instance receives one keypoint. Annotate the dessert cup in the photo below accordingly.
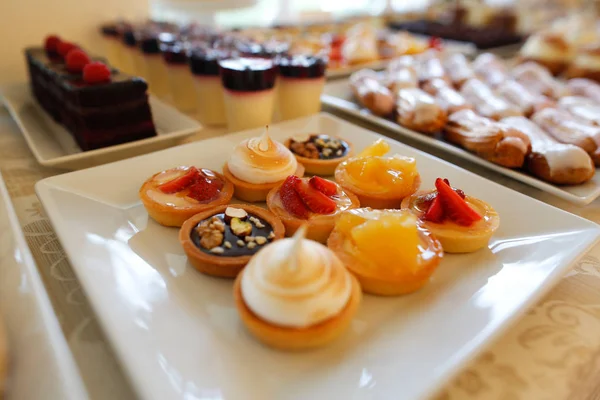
(299, 87)
(171, 205)
(320, 154)
(221, 240)
(278, 316)
(257, 165)
(248, 91)
(456, 236)
(128, 50)
(112, 45)
(205, 70)
(401, 261)
(155, 70)
(379, 182)
(310, 205)
(181, 82)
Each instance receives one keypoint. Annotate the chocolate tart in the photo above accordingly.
(230, 259)
(174, 215)
(314, 155)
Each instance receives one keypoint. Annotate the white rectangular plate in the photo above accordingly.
(177, 331)
(338, 95)
(53, 146)
(37, 349)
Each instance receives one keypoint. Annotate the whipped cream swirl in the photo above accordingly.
(262, 160)
(296, 282)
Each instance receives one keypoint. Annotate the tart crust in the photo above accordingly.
(385, 285)
(222, 266)
(322, 167)
(296, 339)
(318, 228)
(175, 216)
(252, 192)
(461, 240)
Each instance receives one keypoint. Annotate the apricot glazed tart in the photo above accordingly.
(221, 241)
(319, 154)
(296, 294)
(313, 201)
(259, 164)
(378, 181)
(389, 251)
(463, 224)
(172, 196)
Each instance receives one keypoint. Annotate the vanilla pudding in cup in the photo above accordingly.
(112, 44)
(249, 91)
(300, 84)
(204, 64)
(180, 77)
(155, 70)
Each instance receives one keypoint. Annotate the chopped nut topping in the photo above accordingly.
(320, 142)
(334, 144)
(210, 233)
(232, 212)
(307, 150)
(339, 152)
(271, 235)
(227, 244)
(251, 245)
(240, 243)
(249, 239)
(260, 240)
(257, 222)
(217, 250)
(240, 228)
(327, 152)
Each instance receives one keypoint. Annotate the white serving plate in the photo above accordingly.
(53, 146)
(177, 332)
(41, 365)
(338, 95)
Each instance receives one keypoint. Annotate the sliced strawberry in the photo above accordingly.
(180, 183)
(435, 43)
(335, 54)
(204, 189)
(455, 207)
(316, 201)
(435, 212)
(460, 192)
(290, 199)
(324, 186)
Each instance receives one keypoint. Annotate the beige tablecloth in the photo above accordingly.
(552, 353)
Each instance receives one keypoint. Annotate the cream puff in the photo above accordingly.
(295, 294)
(172, 196)
(549, 50)
(259, 164)
(315, 202)
(586, 64)
(388, 251)
(463, 224)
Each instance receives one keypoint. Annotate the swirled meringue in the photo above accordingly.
(296, 282)
(262, 160)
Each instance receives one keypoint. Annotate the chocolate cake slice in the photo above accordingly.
(97, 115)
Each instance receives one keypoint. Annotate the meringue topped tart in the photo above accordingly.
(301, 82)
(172, 196)
(463, 224)
(379, 181)
(314, 201)
(320, 154)
(249, 93)
(389, 251)
(259, 164)
(221, 240)
(295, 294)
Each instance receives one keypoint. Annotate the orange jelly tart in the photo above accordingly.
(389, 251)
(172, 196)
(220, 241)
(314, 201)
(319, 154)
(259, 164)
(463, 224)
(379, 181)
(295, 294)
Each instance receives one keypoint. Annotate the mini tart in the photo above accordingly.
(456, 238)
(381, 197)
(319, 226)
(315, 157)
(252, 192)
(388, 281)
(296, 295)
(221, 264)
(161, 206)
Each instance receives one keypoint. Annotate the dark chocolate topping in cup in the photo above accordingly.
(300, 66)
(248, 74)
